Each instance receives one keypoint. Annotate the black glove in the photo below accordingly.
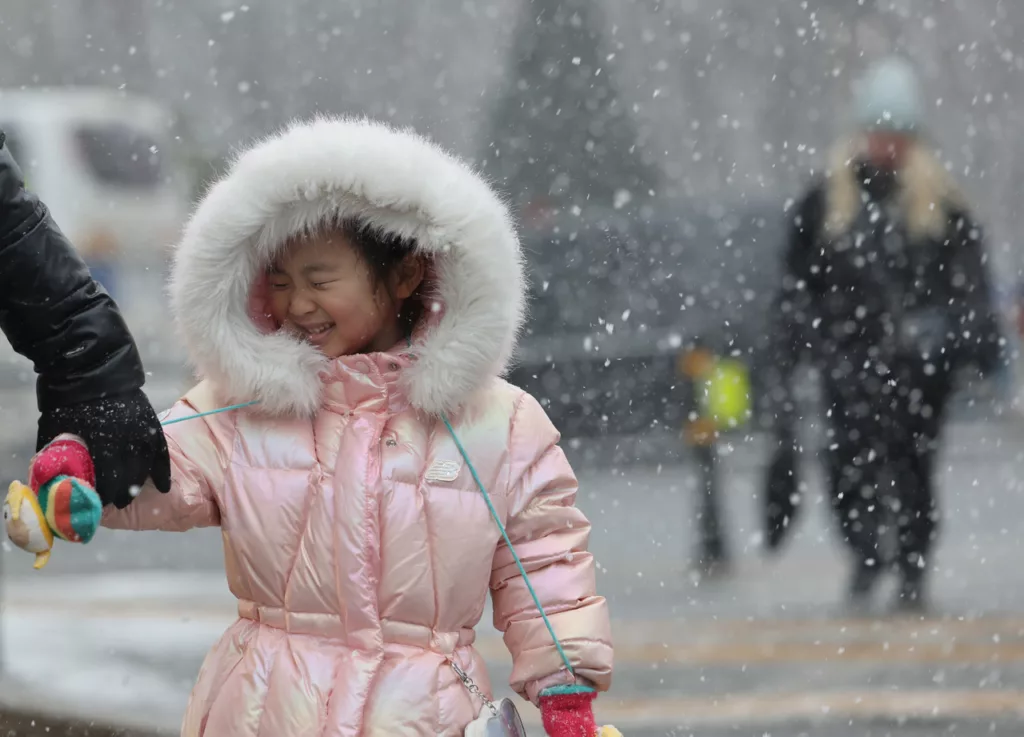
(124, 437)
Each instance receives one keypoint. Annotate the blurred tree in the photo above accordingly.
(559, 134)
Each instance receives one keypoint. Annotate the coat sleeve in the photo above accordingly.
(198, 466)
(51, 309)
(550, 536)
(977, 334)
(794, 308)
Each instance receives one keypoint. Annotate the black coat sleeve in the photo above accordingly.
(977, 334)
(794, 307)
(51, 310)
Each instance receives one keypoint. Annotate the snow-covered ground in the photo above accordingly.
(97, 647)
(117, 630)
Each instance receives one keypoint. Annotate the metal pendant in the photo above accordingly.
(495, 720)
(507, 723)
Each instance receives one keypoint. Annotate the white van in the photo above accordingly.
(99, 159)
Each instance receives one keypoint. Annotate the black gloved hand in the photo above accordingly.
(124, 437)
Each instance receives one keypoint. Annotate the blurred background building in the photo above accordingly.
(651, 147)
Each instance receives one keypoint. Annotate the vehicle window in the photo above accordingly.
(119, 155)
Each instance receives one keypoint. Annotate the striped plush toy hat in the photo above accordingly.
(64, 478)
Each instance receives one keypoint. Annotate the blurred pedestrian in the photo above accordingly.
(700, 432)
(885, 286)
(90, 373)
(714, 391)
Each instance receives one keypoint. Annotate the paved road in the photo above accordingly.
(959, 729)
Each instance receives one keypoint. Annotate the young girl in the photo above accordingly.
(364, 287)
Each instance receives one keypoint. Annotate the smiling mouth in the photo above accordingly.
(314, 334)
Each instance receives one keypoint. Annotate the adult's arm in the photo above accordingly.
(795, 306)
(977, 336)
(90, 372)
(51, 309)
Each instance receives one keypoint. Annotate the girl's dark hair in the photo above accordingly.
(383, 252)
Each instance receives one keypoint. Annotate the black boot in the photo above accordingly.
(866, 575)
(711, 562)
(910, 598)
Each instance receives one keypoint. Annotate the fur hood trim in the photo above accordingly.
(928, 192)
(332, 168)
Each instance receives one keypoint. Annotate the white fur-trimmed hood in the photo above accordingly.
(397, 181)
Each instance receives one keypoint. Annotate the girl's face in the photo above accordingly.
(324, 292)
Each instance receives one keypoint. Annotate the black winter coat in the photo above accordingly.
(871, 301)
(51, 310)
(866, 305)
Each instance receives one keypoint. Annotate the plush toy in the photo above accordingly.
(58, 502)
(567, 711)
(26, 523)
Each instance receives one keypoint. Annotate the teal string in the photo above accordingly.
(504, 534)
(211, 412)
(569, 688)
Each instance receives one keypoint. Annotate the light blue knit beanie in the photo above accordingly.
(888, 97)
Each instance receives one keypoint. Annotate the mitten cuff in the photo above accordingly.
(561, 678)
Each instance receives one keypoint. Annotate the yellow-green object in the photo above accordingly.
(726, 394)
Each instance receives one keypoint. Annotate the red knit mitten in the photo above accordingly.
(567, 711)
(65, 455)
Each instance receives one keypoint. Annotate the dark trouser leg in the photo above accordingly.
(857, 453)
(712, 540)
(916, 511)
(916, 520)
(855, 477)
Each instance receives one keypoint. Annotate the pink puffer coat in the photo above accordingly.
(355, 538)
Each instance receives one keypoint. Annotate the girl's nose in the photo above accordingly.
(300, 305)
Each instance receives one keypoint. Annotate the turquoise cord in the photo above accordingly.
(567, 689)
(501, 527)
(210, 412)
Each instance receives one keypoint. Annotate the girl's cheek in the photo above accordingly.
(278, 307)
